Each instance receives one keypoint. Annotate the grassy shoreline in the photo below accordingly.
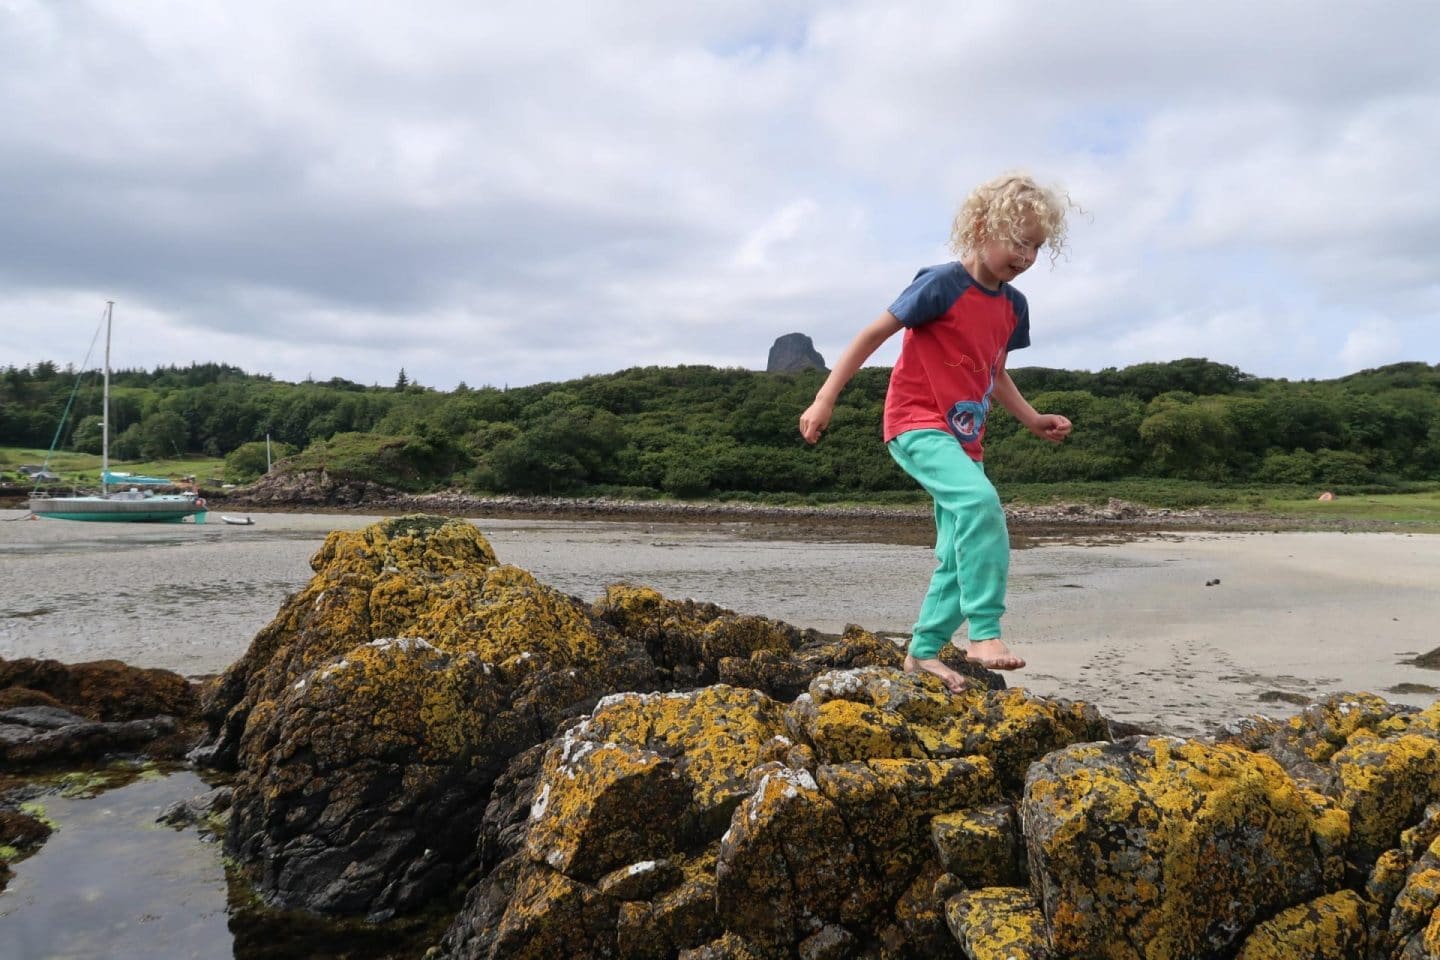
(895, 522)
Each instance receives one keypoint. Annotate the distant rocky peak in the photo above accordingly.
(794, 352)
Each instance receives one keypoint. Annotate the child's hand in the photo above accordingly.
(1051, 426)
(815, 419)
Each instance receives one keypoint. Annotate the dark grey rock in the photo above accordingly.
(833, 942)
(792, 353)
(184, 813)
(42, 742)
(40, 718)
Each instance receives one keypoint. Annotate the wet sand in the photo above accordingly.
(1125, 621)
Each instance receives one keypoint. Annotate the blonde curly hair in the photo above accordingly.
(1000, 209)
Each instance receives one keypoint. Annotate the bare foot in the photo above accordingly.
(952, 680)
(993, 655)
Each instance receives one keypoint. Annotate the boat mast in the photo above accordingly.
(105, 404)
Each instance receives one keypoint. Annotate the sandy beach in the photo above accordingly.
(1175, 631)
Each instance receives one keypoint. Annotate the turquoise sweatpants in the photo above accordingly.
(971, 541)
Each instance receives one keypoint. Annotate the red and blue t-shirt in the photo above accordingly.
(956, 336)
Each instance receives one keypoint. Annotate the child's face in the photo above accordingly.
(1005, 258)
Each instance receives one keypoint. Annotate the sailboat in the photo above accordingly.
(131, 505)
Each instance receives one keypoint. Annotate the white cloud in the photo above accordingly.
(1372, 344)
(488, 194)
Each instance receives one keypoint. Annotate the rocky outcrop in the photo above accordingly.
(792, 353)
(53, 713)
(872, 818)
(309, 488)
(665, 821)
(649, 777)
(99, 690)
(1157, 847)
(370, 721)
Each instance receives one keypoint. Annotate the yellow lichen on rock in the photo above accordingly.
(999, 923)
(1427, 721)
(875, 712)
(684, 633)
(550, 916)
(602, 806)
(506, 614)
(717, 734)
(402, 680)
(416, 541)
(726, 947)
(1331, 927)
(340, 608)
(1014, 728)
(787, 856)
(917, 698)
(930, 787)
(1165, 848)
(843, 730)
(400, 695)
(1250, 817)
(680, 918)
(888, 803)
(1385, 785)
(1429, 945)
(1416, 900)
(1322, 729)
(891, 837)
(642, 610)
(981, 845)
(742, 636)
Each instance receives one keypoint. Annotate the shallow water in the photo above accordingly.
(111, 883)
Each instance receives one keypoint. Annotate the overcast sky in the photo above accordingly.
(504, 193)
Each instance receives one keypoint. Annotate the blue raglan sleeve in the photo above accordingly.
(929, 295)
(1020, 336)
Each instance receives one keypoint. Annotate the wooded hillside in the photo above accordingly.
(697, 431)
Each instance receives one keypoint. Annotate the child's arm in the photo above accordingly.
(817, 416)
(1047, 426)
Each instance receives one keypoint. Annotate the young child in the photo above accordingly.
(961, 320)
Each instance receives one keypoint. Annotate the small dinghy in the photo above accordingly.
(238, 521)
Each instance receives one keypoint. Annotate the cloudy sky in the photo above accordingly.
(504, 193)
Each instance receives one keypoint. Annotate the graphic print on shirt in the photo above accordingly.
(967, 417)
(967, 363)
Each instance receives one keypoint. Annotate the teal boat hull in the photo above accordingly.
(162, 509)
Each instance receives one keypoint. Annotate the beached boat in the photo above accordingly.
(132, 505)
(237, 521)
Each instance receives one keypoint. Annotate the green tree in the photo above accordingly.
(1105, 443)
(1297, 467)
(1187, 438)
(89, 435)
(1342, 467)
(558, 450)
(162, 435)
(126, 445)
